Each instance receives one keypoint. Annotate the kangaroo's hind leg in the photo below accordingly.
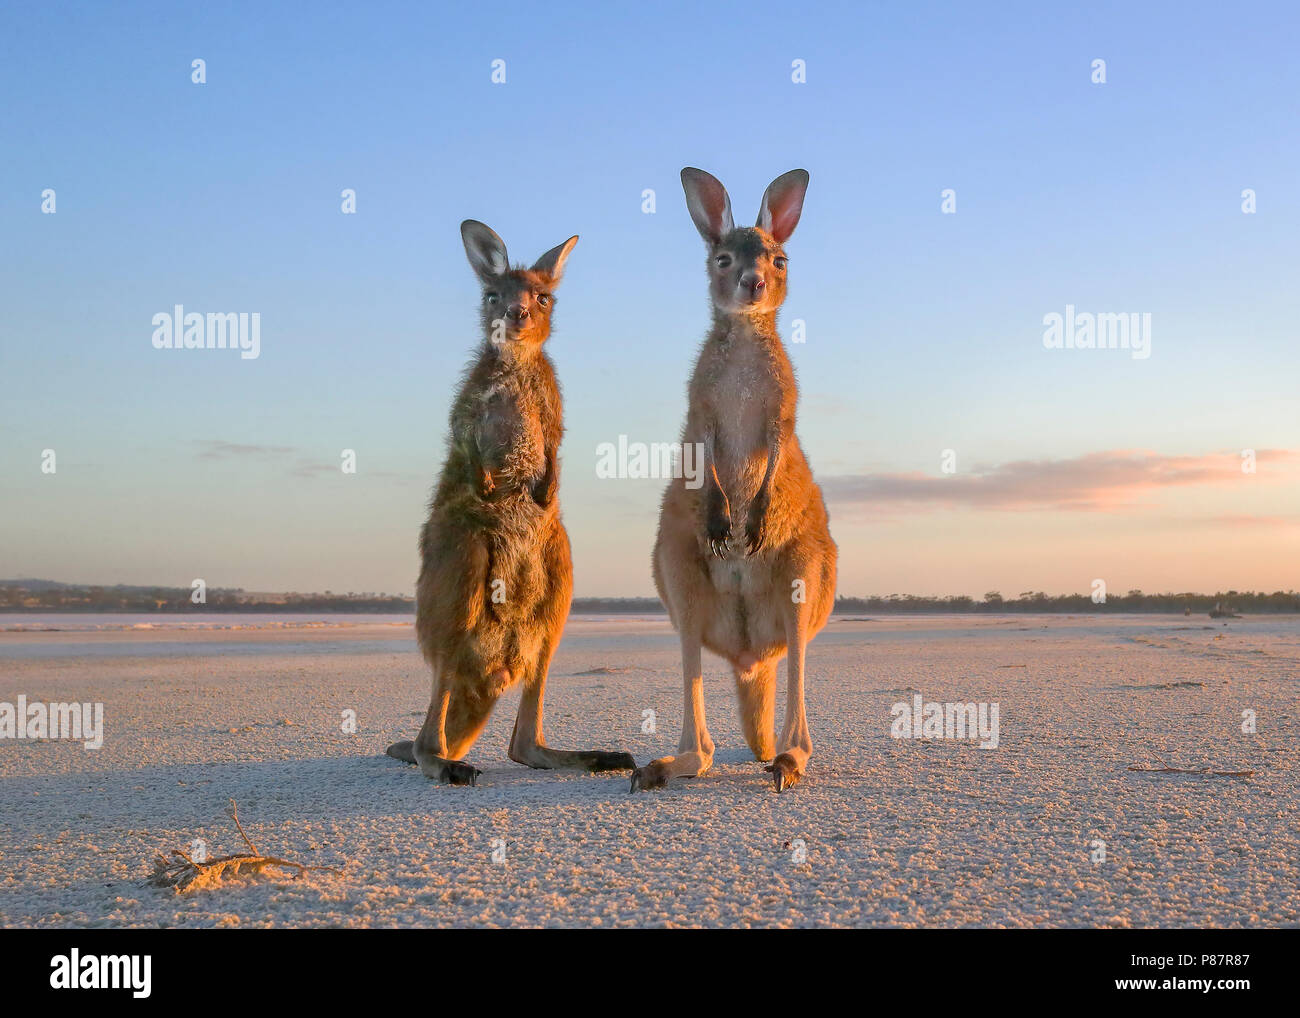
(796, 742)
(467, 716)
(429, 749)
(695, 750)
(527, 742)
(682, 579)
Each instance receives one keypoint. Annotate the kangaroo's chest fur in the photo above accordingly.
(507, 431)
(740, 388)
(503, 419)
(743, 388)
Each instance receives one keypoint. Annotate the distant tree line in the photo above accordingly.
(45, 596)
(48, 596)
(1244, 602)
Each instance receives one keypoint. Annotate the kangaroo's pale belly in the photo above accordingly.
(745, 621)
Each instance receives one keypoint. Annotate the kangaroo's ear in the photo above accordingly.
(708, 203)
(484, 249)
(782, 204)
(552, 263)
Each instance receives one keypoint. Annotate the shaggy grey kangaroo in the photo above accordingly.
(496, 577)
(745, 565)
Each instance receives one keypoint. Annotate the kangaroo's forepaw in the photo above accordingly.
(543, 491)
(785, 772)
(756, 527)
(598, 760)
(717, 522)
(719, 534)
(652, 775)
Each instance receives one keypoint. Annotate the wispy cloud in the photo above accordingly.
(294, 461)
(1096, 482)
(214, 450)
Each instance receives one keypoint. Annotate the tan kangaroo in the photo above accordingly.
(496, 577)
(745, 565)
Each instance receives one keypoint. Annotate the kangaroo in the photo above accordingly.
(745, 565)
(496, 577)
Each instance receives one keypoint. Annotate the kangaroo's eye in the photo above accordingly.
(723, 260)
(491, 298)
(779, 262)
(544, 299)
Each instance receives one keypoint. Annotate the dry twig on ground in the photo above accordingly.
(185, 873)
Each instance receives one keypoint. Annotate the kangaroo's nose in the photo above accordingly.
(518, 312)
(754, 283)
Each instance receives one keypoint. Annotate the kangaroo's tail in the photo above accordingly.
(404, 751)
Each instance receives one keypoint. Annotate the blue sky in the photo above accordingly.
(924, 330)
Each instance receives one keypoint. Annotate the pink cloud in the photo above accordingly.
(1270, 522)
(1096, 482)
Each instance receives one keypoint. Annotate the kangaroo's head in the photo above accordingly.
(747, 265)
(517, 302)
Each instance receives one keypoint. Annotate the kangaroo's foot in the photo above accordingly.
(652, 775)
(592, 760)
(445, 772)
(597, 760)
(449, 772)
(786, 771)
(658, 773)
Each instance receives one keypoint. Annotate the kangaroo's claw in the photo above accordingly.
(785, 772)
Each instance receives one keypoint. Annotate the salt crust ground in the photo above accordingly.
(896, 832)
